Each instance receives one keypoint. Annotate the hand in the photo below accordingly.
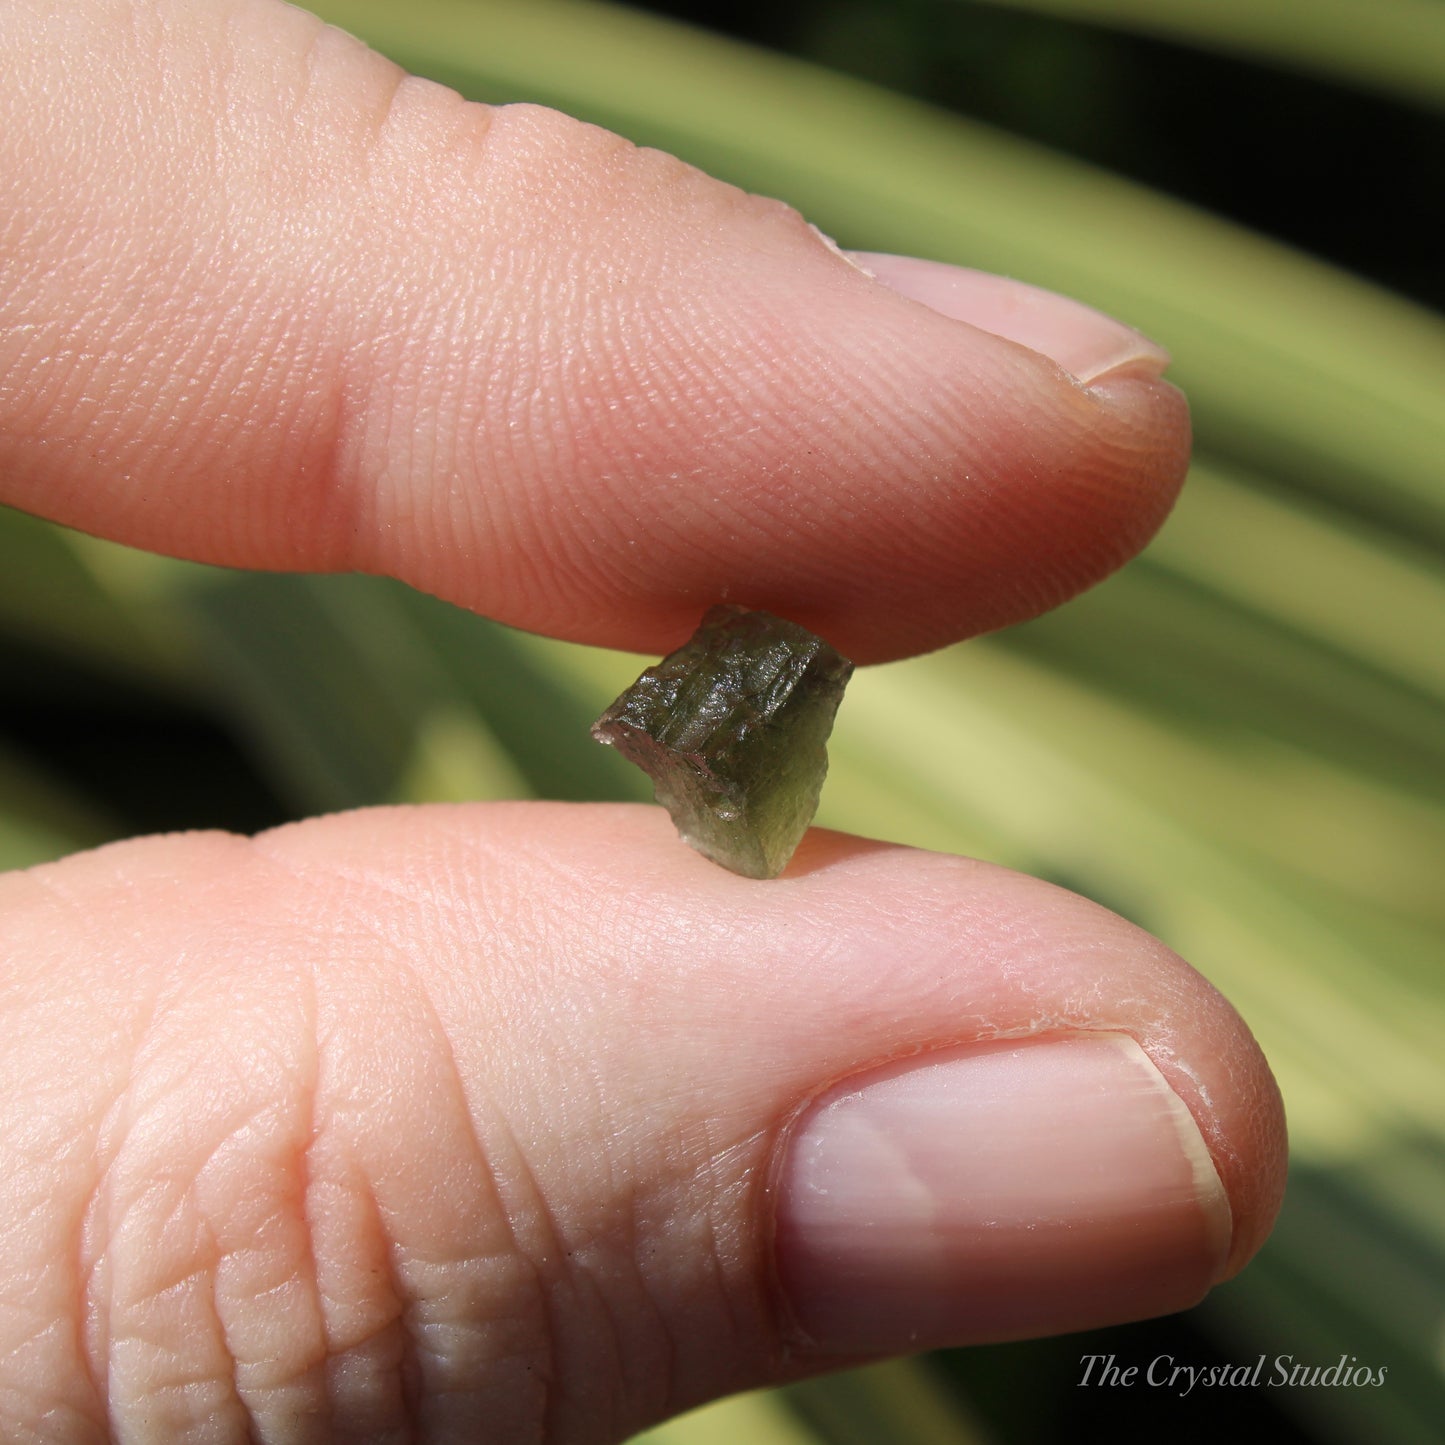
(523, 1119)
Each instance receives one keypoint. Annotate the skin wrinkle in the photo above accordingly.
(45, 1347)
(90, 1250)
(196, 1383)
(40, 1393)
(546, 1371)
(501, 1212)
(277, 246)
(722, 1263)
(302, 1192)
(352, 1251)
(754, 1188)
(385, 391)
(660, 1371)
(386, 340)
(408, 1373)
(410, 1370)
(572, 1274)
(171, 1285)
(554, 1248)
(207, 1272)
(552, 1245)
(643, 1405)
(646, 1369)
(646, 1372)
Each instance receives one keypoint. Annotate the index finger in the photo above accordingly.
(270, 303)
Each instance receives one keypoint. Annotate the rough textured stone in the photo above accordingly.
(732, 729)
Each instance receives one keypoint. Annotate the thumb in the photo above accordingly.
(270, 303)
(523, 1121)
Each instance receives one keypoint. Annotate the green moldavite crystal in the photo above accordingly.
(732, 729)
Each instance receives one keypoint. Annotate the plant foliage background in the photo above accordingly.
(1237, 741)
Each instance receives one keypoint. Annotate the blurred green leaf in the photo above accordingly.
(1335, 578)
(1393, 46)
(51, 596)
(760, 1418)
(354, 690)
(896, 1400)
(40, 820)
(455, 758)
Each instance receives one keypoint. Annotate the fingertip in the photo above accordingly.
(575, 385)
(1250, 1144)
(742, 1129)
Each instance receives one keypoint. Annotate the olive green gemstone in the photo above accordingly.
(732, 729)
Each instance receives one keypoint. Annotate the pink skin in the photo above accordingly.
(344, 1114)
(388, 1123)
(294, 311)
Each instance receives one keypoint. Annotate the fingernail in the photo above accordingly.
(1085, 342)
(998, 1192)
